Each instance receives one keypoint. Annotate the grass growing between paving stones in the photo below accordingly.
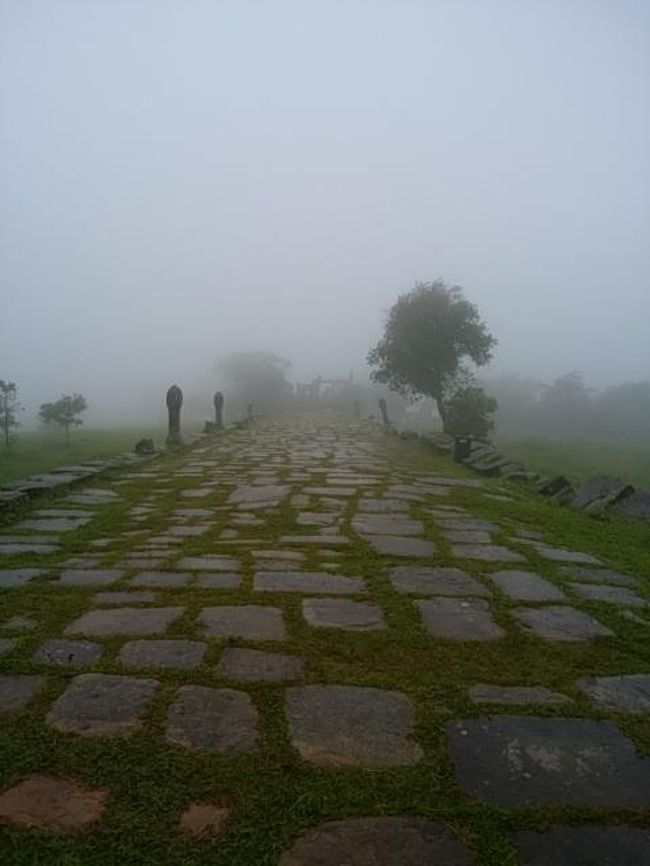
(273, 794)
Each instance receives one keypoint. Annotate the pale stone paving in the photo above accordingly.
(205, 568)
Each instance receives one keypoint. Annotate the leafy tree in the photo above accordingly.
(469, 412)
(430, 334)
(64, 412)
(9, 405)
(255, 378)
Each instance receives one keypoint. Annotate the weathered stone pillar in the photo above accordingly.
(218, 410)
(174, 403)
(384, 412)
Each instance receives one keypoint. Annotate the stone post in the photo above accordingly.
(218, 410)
(384, 412)
(174, 403)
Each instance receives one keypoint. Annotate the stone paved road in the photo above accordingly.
(215, 573)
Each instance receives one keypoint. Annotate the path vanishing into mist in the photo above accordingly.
(316, 645)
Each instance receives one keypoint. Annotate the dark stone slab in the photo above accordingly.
(210, 562)
(17, 691)
(54, 524)
(349, 726)
(457, 536)
(600, 487)
(219, 580)
(526, 586)
(610, 594)
(99, 705)
(599, 575)
(248, 621)
(521, 760)
(325, 538)
(27, 547)
(635, 506)
(216, 720)
(390, 841)
(459, 619)
(307, 582)
(12, 577)
(561, 554)
(248, 665)
(343, 613)
(68, 653)
(386, 524)
(255, 496)
(393, 545)
(560, 622)
(467, 524)
(161, 579)
(96, 577)
(383, 506)
(486, 552)
(516, 695)
(124, 620)
(164, 654)
(330, 491)
(593, 845)
(7, 644)
(629, 693)
(109, 598)
(435, 581)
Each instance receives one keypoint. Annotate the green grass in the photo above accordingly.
(273, 794)
(579, 459)
(32, 452)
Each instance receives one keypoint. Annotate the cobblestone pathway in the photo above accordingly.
(304, 593)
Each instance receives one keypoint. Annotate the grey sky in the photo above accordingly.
(181, 178)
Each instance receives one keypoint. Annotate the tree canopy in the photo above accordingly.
(9, 405)
(64, 412)
(431, 333)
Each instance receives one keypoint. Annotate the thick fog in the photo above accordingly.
(185, 178)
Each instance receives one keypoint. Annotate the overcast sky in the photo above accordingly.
(182, 178)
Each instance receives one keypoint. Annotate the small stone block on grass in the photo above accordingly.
(486, 553)
(624, 694)
(249, 665)
(435, 581)
(459, 619)
(307, 582)
(50, 803)
(68, 653)
(97, 577)
(217, 720)
(526, 586)
(343, 613)
(394, 545)
(249, 622)
(350, 726)
(163, 654)
(17, 690)
(161, 579)
(609, 594)
(560, 622)
(124, 620)
(102, 705)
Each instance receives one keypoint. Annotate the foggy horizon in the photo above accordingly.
(184, 180)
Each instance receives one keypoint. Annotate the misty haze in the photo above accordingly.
(324, 432)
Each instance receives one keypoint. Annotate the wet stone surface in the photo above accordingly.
(347, 726)
(251, 622)
(519, 760)
(68, 653)
(435, 581)
(343, 613)
(624, 694)
(102, 705)
(526, 586)
(248, 665)
(561, 623)
(170, 654)
(459, 619)
(307, 582)
(124, 620)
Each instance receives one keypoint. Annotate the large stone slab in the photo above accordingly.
(256, 496)
(388, 841)
(68, 653)
(561, 554)
(248, 621)
(54, 524)
(349, 726)
(483, 693)
(307, 582)
(248, 665)
(92, 577)
(629, 693)
(435, 581)
(526, 586)
(219, 580)
(383, 506)
(457, 536)
(12, 577)
(386, 524)
(343, 613)
(99, 705)
(599, 575)
(126, 597)
(209, 562)
(163, 654)
(459, 619)
(161, 579)
(609, 594)
(16, 691)
(635, 506)
(522, 760)
(393, 545)
(125, 621)
(592, 845)
(560, 622)
(486, 552)
(224, 721)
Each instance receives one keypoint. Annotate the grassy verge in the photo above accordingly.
(39, 451)
(579, 460)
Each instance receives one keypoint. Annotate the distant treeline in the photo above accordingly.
(569, 408)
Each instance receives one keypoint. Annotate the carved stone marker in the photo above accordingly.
(218, 410)
(384, 412)
(174, 403)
